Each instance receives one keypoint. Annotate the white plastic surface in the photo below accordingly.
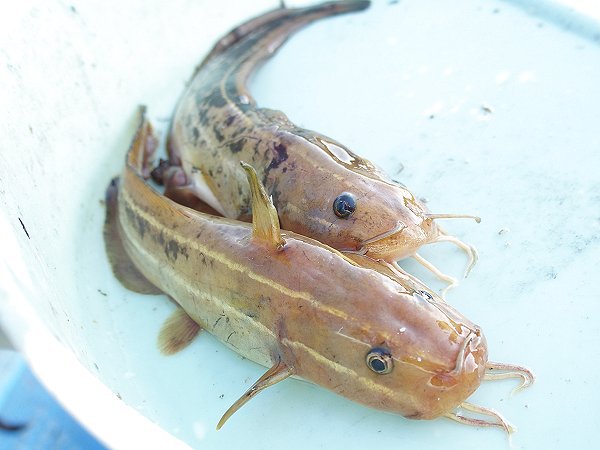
(489, 108)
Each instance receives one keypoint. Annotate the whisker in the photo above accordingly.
(500, 421)
(509, 371)
(468, 249)
(437, 272)
(399, 227)
(452, 216)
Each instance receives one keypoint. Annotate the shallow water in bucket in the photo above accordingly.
(480, 108)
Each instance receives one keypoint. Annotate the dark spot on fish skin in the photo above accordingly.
(250, 314)
(196, 133)
(284, 170)
(281, 155)
(215, 99)
(218, 135)
(257, 148)
(130, 215)
(173, 250)
(142, 225)
(229, 120)
(161, 238)
(204, 118)
(237, 146)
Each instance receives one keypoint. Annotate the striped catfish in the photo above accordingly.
(290, 303)
(320, 188)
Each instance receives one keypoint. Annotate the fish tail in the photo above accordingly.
(287, 19)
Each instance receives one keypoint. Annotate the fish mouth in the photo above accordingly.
(472, 356)
(465, 365)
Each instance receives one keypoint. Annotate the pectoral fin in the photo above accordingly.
(265, 223)
(177, 332)
(279, 372)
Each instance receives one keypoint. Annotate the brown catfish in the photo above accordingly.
(320, 188)
(290, 303)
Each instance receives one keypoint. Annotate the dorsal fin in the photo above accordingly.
(265, 222)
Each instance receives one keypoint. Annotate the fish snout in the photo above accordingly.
(470, 365)
(402, 241)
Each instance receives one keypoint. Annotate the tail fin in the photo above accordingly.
(283, 17)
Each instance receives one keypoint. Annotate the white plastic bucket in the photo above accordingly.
(489, 110)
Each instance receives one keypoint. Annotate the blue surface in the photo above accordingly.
(41, 423)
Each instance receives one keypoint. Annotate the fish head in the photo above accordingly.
(394, 224)
(380, 219)
(349, 203)
(406, 354)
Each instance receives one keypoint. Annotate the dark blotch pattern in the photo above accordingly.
(173, 250)
(218, 135)
(141, 224)
(237, 146)
(215, 99)
(280, 156)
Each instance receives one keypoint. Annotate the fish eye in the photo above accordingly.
(380, 360)
(344, 205)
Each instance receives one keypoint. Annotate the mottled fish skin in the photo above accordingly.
(305, 305)
(217, 124)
